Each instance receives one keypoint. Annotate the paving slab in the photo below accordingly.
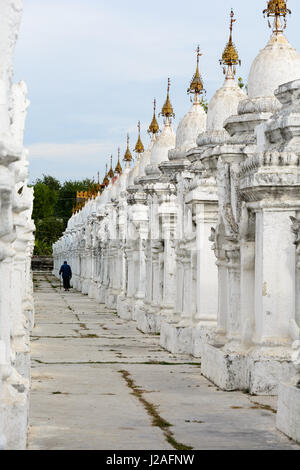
(98, 383)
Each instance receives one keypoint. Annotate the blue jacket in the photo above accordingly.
(66, 271)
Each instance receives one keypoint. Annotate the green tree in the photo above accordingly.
(49, 230)
(51, 182)
(67, 198)
(53, 203)
(45, 200)
(204, 104)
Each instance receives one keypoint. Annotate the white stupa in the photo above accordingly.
(278, 62)
(122, 182)
(146, 156)
(194, 122)
(225, 101)
(139, 150)
(165, 141)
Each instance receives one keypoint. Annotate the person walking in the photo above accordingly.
(66, 273)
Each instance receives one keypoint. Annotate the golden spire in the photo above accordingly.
(277, 9)
(94, 190)
(127, 156)
(196, 86)
(111, 171)
(230, 57)
(139, 148)
(154, 127)
(98, 187)
(105, 180)
(167, 110)
(118, 168)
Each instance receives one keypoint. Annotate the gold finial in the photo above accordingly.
(154, 127)
(127, 156)
(94, 190)
(196, 86)
(167, 110)
(230, 57)
(105, 180)
(98, 187)
(111, 171)
(118, 168)
(139, 148)
(277, 9)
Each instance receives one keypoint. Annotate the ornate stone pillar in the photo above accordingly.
(180, 255)
(169, 280)
(275, 276)
(143, 235)
(157, 249)
(207, 277)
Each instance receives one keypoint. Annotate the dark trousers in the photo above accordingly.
(66, 281)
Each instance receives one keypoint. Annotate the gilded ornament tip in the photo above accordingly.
(196, 86)
(167, 110)
(154, 127)
(230, 57)
(277, 9)
(128, 156)
(118, 169)
(139, 148)
(111, 173)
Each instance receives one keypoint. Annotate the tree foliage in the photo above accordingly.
(53, 203)
(242, 85)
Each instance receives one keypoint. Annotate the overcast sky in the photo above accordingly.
(93, 67)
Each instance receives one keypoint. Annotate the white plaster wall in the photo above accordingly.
(16, 241)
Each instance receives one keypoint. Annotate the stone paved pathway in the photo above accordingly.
(98, 383)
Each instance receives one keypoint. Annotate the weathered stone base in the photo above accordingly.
(15, 424)
(100, 294)
(148, 322)
(288, 415)
(112, 299)
(92, 290)
(85, 286)
(124, 308)
(185, 339)
(176, 339)
(202, 335)
(267, 368)
(257, 371)
(226, 370)
(76, 282)
(138, 308)
(14, 411)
